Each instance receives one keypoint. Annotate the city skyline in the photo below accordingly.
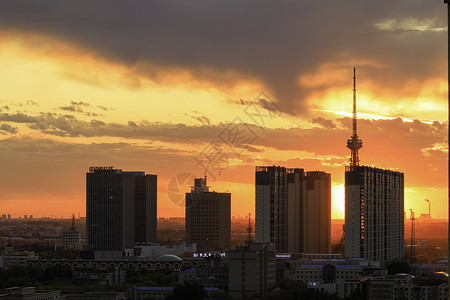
(154, 95)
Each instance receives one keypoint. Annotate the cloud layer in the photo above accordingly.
(393, 43)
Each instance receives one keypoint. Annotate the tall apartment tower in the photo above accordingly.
(120, 208)
(208, 218)
(317, 213)
(374, 206)
(293, 209)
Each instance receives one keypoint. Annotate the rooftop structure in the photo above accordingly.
(354, 143)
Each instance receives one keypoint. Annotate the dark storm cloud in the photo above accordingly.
(323, 122)
(33, 155)
(8, 128)
(386, 143)
(271, 41)
(397, 136)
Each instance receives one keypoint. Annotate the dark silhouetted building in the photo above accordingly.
(208, 218)
(293, 209)
(120, 208)
(374, 210)
(252, 270)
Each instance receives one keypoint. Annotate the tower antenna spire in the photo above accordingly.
(354, 104)
(354, 143)
(73, 222)
(249, 230)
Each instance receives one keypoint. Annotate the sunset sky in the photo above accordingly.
(164, 86)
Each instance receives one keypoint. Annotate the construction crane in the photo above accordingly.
(413, 238)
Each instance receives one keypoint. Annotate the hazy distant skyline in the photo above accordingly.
(147, 86)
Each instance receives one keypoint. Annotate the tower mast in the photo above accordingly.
(249, 230)
(73, 222)
(354, 143)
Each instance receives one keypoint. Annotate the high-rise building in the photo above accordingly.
(252, 270)
(317, 213)
(293, 209)
(374, 206)
(208, 218)
(120, 208)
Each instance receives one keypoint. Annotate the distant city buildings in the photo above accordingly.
(208, 218)
(374, 208)
(120, 209)
(293, 209)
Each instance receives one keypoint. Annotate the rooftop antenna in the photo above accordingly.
(249, 230)
(73, 222)
(354, 143)
(413, 238)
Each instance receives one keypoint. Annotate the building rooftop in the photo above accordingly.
(168, 257)
(167, 288)
(191, 270)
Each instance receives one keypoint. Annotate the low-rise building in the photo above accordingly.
(105, 276)
(405, 286)
(332, 272)
(158, 293)
(211, 271)
(163, 262)
(71, 238)
(28, 293)
(96, 296)
(252, 270)
(427, 269)
(12, 258)
(156, 249)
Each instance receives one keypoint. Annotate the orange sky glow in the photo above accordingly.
(68, 102)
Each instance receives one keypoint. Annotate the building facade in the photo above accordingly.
(252, 270)
(405, 286)
(159, 292)
(208, 218)
(209, 272)
(28, 293)
(71, 238)
(120, 209)
(105, 276)
(374, 209)
(293, 209)
(12, 258)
